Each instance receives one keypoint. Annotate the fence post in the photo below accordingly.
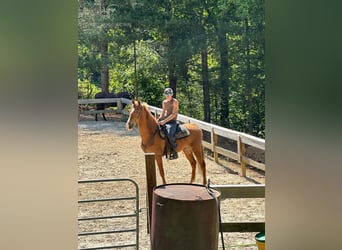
(213, 144)
(151, 183)
(242, 153)
(119, 103)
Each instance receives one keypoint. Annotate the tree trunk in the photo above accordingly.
(224, 77)
(172, 66)
(248, 81)
(136, 87)
(104, 70)
(206, 85)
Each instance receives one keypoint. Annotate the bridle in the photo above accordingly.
(139, 113)
(144, 146)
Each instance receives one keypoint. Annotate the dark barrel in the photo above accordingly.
(184, 216)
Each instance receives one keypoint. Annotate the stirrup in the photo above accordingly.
(173, 156)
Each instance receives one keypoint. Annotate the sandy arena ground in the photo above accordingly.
(107, 150)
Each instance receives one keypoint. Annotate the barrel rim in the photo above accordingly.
(260, 237)
(217, 192)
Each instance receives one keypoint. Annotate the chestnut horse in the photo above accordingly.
(152, 142)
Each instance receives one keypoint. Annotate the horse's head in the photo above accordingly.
(134, 114)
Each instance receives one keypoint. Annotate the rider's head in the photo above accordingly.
(168, 92)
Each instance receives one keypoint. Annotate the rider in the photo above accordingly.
(168, 118)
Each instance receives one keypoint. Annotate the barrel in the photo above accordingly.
(184, 216)
(260, 240)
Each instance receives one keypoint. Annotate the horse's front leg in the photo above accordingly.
(159, 160)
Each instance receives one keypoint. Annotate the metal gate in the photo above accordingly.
(108, 221)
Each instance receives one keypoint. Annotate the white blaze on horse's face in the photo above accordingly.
(131, 119)
(129, 125)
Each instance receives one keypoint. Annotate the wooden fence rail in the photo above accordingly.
(119, 102)
(241, 191)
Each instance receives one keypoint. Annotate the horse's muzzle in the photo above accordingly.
(129, 126)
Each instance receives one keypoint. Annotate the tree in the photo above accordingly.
(94, 34)
(210, 52)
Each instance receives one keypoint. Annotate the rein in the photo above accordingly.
(144, 146)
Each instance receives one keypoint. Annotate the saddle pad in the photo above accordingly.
(181, 131)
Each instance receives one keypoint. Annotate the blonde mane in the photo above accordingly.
(149, 115)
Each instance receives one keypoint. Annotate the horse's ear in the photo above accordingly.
(139, 102)
(136, 103)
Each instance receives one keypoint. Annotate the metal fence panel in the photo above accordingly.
(103, 212)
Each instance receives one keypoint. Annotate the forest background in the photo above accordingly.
(210, 52)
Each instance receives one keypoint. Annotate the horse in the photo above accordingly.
(101, 106)
(152, 141)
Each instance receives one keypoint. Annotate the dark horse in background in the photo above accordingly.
(102, 106)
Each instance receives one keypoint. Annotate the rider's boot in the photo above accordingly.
(174, 154)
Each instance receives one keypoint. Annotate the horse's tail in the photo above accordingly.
(201, 164)
(203, 156)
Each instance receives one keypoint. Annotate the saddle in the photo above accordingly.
(181, 132)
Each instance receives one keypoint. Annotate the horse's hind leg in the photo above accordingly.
(104, 117)
(200, 158)
(189, 155)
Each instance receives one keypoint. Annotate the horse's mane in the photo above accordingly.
(144, 105)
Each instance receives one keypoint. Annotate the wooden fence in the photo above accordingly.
(119, 102)
(215, 131)
(241, 139)
(227, 192)
(241, 191)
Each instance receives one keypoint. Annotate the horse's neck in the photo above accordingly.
(147, 125)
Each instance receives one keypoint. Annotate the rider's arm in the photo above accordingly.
(162, 115)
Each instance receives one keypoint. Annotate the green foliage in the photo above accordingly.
(151, 91)
(149, 42)
(190, 100)
(87, 90)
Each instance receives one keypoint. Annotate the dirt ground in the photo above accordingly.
(107, 150)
